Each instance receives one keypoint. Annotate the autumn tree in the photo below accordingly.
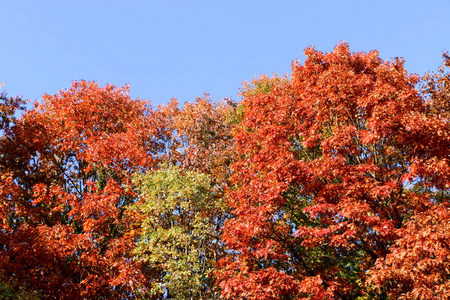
(417, 266)
(181, 205)
(9, 106)
(436, 89)
(338, 167)
(64, 191)
(203, 135)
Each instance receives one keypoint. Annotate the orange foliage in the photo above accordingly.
(332, 163)
(65, 191)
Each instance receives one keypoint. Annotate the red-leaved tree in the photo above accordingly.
(339, 167)
(65, 165)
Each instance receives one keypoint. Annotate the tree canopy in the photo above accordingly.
(332, 182)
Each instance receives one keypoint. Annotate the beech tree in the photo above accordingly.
(339, 166)
(65, 183)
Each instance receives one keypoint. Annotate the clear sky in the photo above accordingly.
(182, 49)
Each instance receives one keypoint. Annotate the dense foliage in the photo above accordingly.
(330, 183)
(65, 168)
(180, 232)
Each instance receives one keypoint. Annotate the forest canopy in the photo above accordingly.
(332, 182)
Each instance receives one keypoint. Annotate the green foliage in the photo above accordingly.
(11, 290)
(179, 236)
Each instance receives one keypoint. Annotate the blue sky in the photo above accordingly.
(182, 49)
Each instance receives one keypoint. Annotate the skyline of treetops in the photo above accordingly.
(331, 182)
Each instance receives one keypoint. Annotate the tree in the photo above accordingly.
(65, 190)
(8, 108)
(182, 209)
(436, 89)
(179, 235)
(203, 136)
(333, 164)
(417, 266)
